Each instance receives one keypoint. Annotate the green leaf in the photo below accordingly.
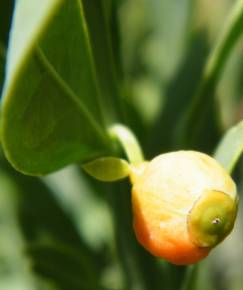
(69, 269)
(179, 94)
(52, 239)
(95, 12)
(230, 147)
(108, 168)
(51, 113)
(201, 117)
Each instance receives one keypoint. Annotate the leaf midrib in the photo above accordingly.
(69, 92)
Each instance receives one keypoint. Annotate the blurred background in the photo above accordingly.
(66, 231)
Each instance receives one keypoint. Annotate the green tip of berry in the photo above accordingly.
(212, 218)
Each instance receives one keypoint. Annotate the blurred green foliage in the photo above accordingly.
(67, 231)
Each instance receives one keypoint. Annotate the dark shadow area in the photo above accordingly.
(179, 95)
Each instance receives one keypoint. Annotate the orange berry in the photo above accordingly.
(184, 203)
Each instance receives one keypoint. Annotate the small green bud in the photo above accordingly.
(108, 168)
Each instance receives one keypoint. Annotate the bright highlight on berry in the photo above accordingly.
(184, 204)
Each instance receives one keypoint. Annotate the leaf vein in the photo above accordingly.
(69, 92)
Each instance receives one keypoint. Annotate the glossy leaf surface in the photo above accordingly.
(51, 112)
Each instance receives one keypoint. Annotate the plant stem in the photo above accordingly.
(190, 278)
(128, 142)
(140, 269)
